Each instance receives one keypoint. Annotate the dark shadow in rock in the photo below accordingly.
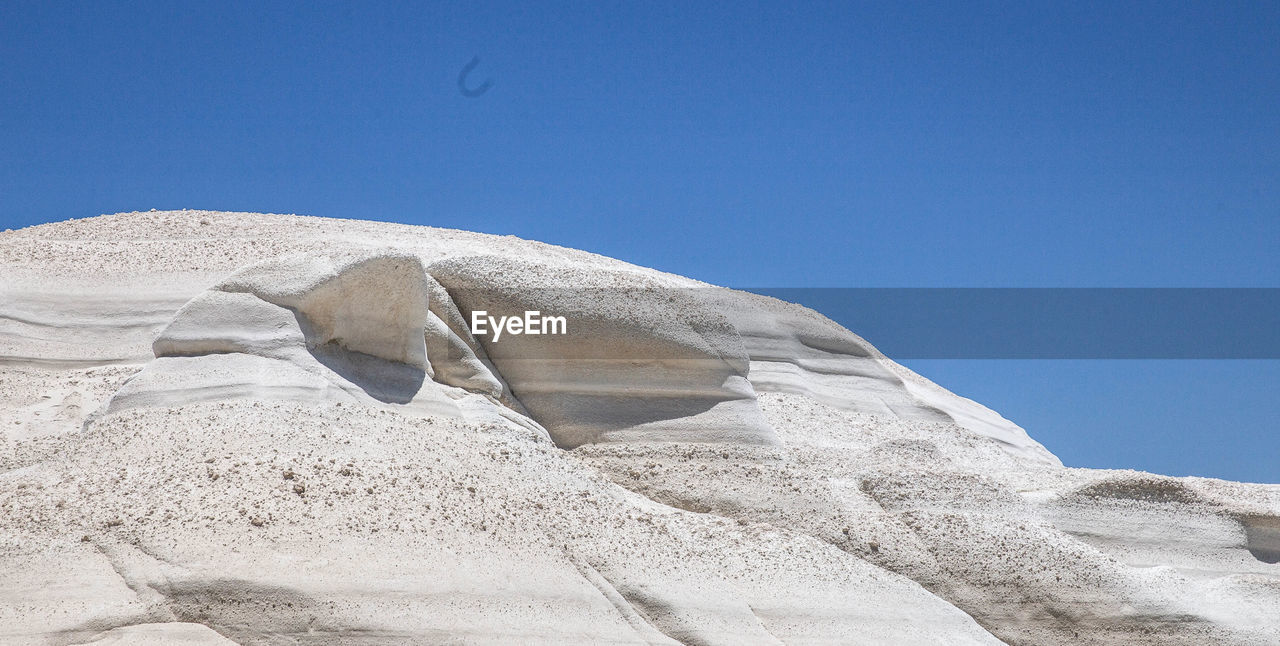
(386, 381)
(246, 612)
(1262, 537)
(240, 609)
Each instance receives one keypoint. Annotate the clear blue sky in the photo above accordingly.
(894, 144)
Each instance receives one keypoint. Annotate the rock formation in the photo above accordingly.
(222, 428)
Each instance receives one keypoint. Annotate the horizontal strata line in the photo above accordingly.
(609, 390)
(116, 321)
(10, 360)
(795, 365)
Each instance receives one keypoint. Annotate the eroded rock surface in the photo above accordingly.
(262, 429)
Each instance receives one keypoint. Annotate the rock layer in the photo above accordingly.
(261, 429)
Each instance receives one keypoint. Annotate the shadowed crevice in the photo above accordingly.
(386, 381)
(1262, 537)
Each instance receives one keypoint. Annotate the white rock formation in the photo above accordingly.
(262, 429)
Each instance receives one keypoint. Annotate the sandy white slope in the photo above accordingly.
(245, 428)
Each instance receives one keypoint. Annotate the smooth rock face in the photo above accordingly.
(642, 360)
(262, 429)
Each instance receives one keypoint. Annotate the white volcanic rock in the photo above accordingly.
(176, 634)
(645, 359)
(259, 429)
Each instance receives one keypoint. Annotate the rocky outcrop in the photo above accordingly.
(270, 429)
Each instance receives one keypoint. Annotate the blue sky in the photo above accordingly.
(767, 145)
